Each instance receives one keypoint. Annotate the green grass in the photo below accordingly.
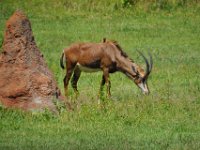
(168, 118)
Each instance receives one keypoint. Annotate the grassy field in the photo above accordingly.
(169, 118)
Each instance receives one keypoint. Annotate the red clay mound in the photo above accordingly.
(25, 80)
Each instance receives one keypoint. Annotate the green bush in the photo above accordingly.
(129, 3)
(159, 4)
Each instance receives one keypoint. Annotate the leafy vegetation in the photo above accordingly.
(166, 119)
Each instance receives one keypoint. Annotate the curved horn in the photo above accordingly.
(148, 66)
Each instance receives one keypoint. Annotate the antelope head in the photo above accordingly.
(141, 76)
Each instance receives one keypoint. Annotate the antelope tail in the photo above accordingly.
(61, 61)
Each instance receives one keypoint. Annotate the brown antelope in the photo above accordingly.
(106, 56)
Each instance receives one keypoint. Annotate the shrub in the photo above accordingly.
(129, 3)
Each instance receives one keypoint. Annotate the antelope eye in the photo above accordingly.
(138, 80)
(137, 77)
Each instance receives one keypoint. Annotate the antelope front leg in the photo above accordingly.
(101, 86)
(107, 81)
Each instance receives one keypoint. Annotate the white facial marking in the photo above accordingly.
(143, 87)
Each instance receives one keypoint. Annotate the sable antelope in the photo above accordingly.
(106, 56)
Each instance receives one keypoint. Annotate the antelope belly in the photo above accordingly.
(87, 69)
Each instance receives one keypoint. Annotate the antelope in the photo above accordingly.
(106, 56)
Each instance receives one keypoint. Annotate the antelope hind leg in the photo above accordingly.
(74, 81)
(66, 80)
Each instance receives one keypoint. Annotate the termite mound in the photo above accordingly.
(25, 80)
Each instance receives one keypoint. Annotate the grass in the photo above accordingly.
(166, 119)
